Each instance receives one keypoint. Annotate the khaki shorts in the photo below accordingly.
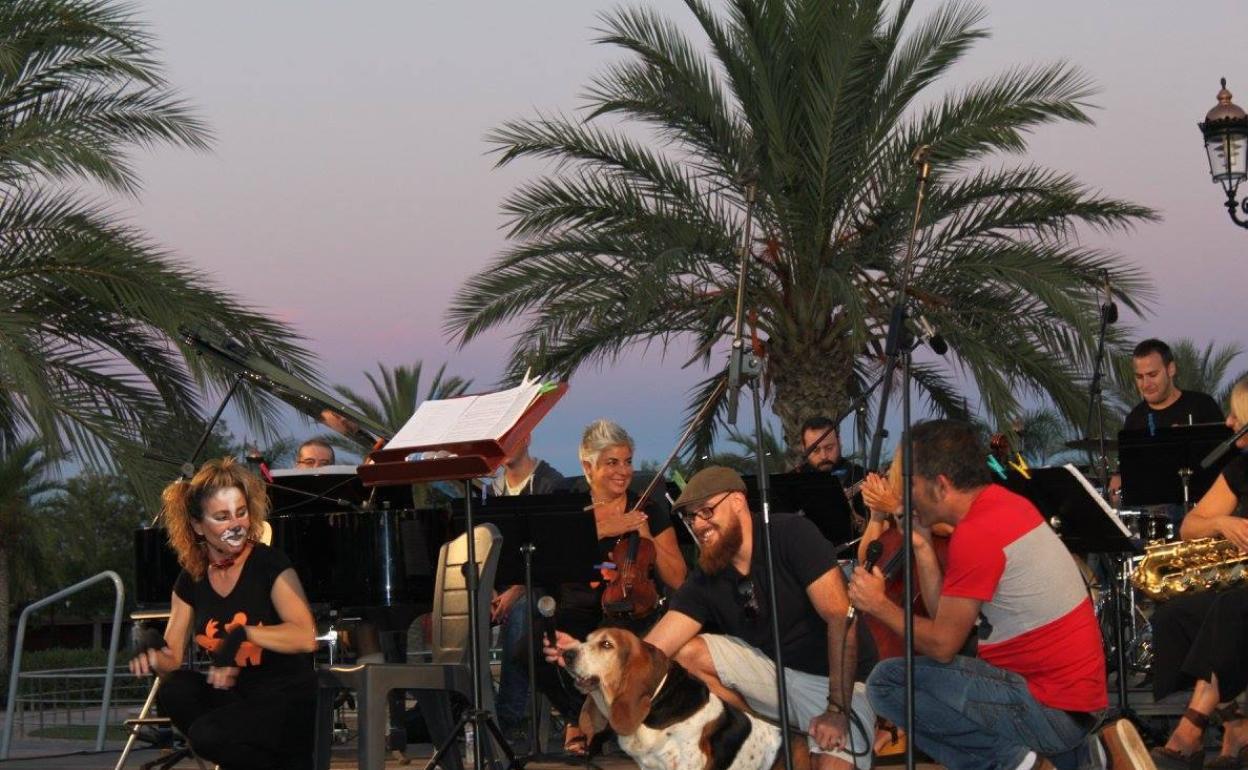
(751, 673)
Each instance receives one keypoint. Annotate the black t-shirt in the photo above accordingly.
(1193, 407)
(802, 556)
(1236, 475)
(580, 605)
(249, 604)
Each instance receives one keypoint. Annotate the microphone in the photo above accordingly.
(546, 623)
(1221, 449)
(928, 334)
(921, 154)
(1110, 309)
(875, 549)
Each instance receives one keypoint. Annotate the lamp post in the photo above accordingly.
(1226, 142)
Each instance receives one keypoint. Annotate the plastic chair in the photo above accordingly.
(448, 671)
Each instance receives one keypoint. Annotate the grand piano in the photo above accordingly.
(357, 550)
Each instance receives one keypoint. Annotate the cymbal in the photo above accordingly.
(1092, 444)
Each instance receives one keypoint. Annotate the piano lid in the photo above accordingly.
(315, 403)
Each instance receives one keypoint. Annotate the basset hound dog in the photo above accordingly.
(667, 719)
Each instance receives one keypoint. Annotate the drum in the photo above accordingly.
(1147, 526)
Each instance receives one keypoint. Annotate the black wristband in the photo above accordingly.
(149, 639)
(224, 656)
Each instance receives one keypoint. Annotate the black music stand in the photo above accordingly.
(463, 461)
(555, 525)
(1074, 509)
(819, 497)
(1154, 466)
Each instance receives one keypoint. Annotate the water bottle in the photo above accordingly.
(470, 736)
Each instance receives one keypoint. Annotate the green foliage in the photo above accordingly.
(633, 237)
(396, 395)
(92, 358)
(92, 521)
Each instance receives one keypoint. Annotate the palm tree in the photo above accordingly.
(25, 475)
(396, 393)
(820, 104)
(92, 350)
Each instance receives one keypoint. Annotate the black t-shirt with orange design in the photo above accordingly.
(249, 604)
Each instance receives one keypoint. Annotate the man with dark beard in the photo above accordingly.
(728, 594)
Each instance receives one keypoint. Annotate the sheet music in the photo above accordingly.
(1110, 513)
(468, 418)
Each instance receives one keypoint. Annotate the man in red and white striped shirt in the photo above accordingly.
(1037, 692)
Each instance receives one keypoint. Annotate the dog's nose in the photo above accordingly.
(569, 656)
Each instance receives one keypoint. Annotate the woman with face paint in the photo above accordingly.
(242, 603)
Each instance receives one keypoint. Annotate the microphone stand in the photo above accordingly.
(1096, 395)
(897, 350)
(187, 469)
(742, 368)
(1096, 414)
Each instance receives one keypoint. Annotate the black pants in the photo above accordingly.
(1219, 644)
(243, 728)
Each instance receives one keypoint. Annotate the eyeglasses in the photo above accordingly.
(747, 594)
(704, 513)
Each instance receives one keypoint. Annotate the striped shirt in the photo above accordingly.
(1041, 621)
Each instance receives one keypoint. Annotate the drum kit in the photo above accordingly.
(1157, 481)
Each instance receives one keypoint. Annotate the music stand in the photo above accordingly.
(819, 497)
(463, 461)
(558, 526)
(1154, 466)
(1075, 511)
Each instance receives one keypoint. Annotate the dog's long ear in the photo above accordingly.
(592, 721)
(644, 668)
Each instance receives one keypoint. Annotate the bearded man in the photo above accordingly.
(728, 592)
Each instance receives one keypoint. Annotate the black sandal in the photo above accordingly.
(1169, 759)
(1227, 714)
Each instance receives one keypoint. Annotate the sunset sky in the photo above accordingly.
(350, 192)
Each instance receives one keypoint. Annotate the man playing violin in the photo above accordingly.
(729, 592)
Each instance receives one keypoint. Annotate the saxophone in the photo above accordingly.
(1170, 569)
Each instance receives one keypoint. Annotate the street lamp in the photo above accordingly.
(1226, 141)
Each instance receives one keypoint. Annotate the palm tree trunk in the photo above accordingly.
(807, 383)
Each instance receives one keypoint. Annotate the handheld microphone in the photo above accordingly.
(546, 623)
(1110, 308)
(1221, 449)
(875, 549)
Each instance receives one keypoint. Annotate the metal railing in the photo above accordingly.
(114, 638)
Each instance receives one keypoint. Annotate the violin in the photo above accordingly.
(630, 591)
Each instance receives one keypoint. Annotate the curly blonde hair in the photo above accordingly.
(182, 502)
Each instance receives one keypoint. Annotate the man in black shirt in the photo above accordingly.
(823, 455)
(728, 594)
(1163, 405)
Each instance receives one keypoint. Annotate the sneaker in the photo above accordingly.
(1125, 747)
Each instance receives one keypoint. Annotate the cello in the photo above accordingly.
(887, 643)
